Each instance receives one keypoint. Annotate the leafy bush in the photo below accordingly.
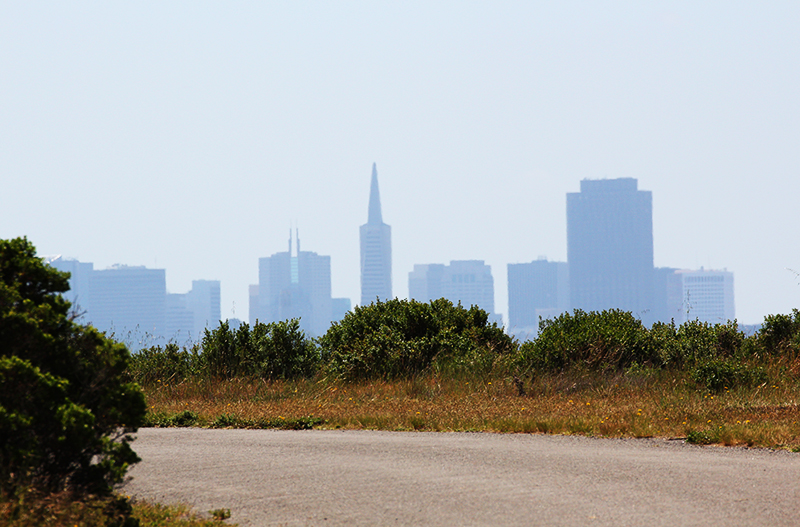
(64, 401)
(593, 341)
(400, 338)
(277, 350)
(168, 364)
(716, 375)
(780, 335)
(292, 423)
(697, 342)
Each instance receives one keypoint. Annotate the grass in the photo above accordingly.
(641, 404)
(150, 515)
(64, 510)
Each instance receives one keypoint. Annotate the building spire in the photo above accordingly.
(375, 216)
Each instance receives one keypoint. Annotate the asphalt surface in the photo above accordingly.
(270, 477)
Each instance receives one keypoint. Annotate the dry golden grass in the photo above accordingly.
(655, 404)
(28, 509)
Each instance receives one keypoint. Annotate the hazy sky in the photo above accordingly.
(190, 135)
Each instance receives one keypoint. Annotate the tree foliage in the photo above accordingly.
(64, 403)
(400, 338)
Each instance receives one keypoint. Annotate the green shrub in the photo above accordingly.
(180, 419)
(64, 401)
(277, 350)
(717, 375)
(697, 342)
(400, 338)
(593, 341)
(219, 356)
(169, 364)
(780, 335)
(292, 423)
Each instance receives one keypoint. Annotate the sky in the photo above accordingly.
(191, 135)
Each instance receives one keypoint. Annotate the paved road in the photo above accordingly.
(269, 477)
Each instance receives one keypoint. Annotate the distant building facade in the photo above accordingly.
(536, 289)
(706, 295)
(295, 284)
(610, 247)
(667, 295)
(467, 281)
(189, 314)
(339, 308)
(376, 250)
(131, 303)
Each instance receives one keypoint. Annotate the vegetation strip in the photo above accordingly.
(71, 397)
(635, 403)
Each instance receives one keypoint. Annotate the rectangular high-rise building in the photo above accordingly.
(204, 301)
(467, 281)
(133, 305)
(188, 315)
(536, 289)
(705, 295)
(296, 285)
(610, 247)
(79, 282)
(129, 302)
(376, 250)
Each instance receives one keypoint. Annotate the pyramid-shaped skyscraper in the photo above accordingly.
(376, 250)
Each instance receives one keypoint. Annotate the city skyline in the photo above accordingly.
(188, 136)
(610, 266)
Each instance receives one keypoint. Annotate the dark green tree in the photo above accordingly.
(66, 410)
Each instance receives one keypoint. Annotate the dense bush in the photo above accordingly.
(780, 335)
(594, 341)
(64, 403)
(716, 375)
(400, 338)
(715, 356)
(695, 342)
(168, 364)
(277, 350)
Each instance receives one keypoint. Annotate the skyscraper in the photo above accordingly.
(610, 247)
(376, 250)
(467, 281)
(536, 289)
(133, 303)
(189, 314)
(295, 285)
(129, 301)
(705, 295)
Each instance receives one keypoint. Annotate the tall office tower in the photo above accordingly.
(339, 308)
(253, 307)
(667, 295)
(179, 320)
(376, 250)
(610, 247)
(130, 302)
(133, 303)
(425, 282)
(706, 296)
(189, 314)
(79, 282)
(467, 281)
(205, 304)
(296, 285)
(536, 289)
